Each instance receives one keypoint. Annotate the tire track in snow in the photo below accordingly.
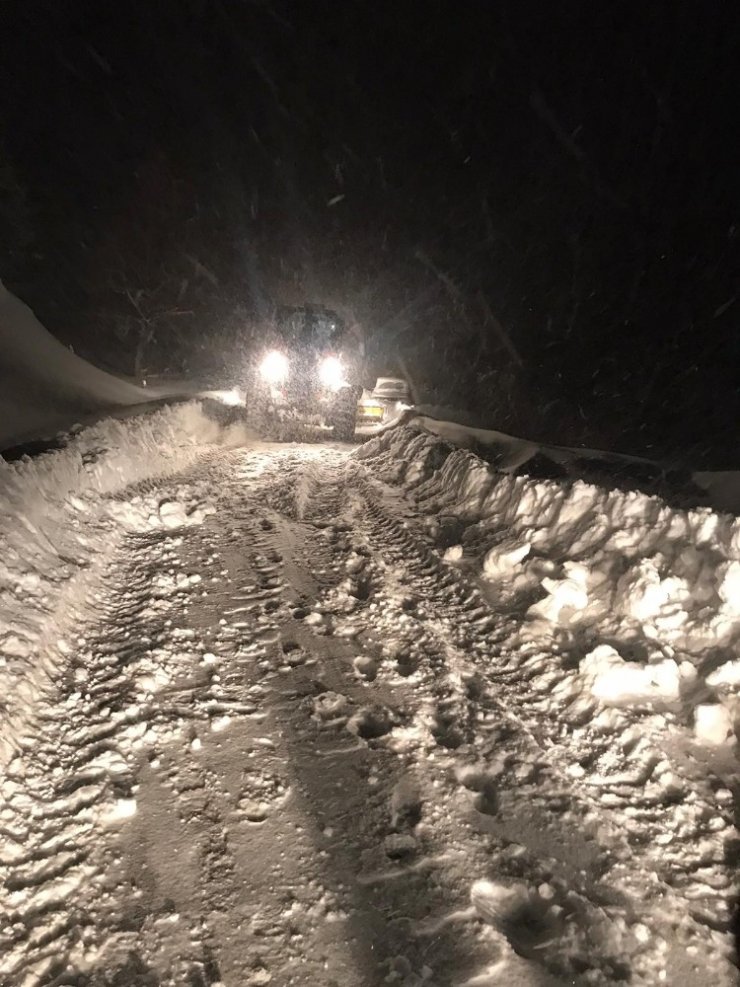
(340, 763)
(73, 773)
(363, 793)
(76, 778)
(441, 614)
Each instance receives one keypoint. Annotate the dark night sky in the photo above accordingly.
(539, 212)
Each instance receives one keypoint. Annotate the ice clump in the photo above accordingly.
(617, 682)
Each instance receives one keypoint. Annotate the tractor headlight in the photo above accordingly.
(331, 372)
(274, 367)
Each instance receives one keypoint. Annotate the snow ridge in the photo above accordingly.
(647, 594)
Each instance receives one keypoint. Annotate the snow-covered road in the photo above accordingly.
(295, 739)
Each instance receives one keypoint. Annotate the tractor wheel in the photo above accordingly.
(260, 411)
(344, 414)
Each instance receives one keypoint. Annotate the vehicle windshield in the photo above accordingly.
(310, 326)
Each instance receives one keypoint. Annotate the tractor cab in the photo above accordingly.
(310, 327)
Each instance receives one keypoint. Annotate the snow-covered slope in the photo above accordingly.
(43, 385)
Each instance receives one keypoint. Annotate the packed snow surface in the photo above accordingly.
(283, 714)
(60, 519)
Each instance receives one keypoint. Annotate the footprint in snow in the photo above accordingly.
(446, 731)
(406, 804)
(293, 653)
(371, 722)
(529, 919)
(484, 784)
(407, 664)
(330, 708)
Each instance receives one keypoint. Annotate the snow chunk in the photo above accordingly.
(496, 902)
(220, 723)
(727, 675)
(567, 598)
(713, 724)
(172, 514)
(616, 682)
(729, 588)
(657, 603)
(330, 706)
(122, 809)
(502, 559)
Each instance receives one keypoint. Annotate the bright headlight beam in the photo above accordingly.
(274, 367)
(331, 372)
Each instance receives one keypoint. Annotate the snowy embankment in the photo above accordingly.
(45, 388)
(641, 599)
(719, 489)
(43, 385)
(60, 520)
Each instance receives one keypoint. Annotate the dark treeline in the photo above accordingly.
(534, 206)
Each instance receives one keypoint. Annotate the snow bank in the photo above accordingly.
(642, 595)
(59, 520)
(720, 490)
(43, 385)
